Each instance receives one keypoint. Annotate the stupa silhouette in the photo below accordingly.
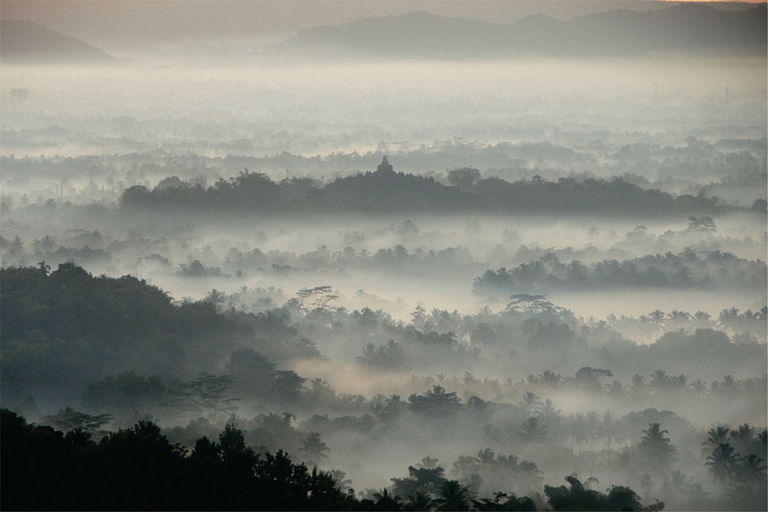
(385, 166)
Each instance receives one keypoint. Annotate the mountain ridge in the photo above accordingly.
(687, 29)
(26, 42)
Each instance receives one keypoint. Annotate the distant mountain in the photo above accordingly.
(687, 29)
(24, 42)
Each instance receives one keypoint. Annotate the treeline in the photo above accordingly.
(65, 330)
(139, 469)
(689, 269)
(388, 191)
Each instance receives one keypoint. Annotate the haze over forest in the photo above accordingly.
(383, 255)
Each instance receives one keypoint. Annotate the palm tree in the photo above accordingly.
(729, 385)
(722, 463)
(717, 435)
(531, 402)
(534, 431)
(453, 496)
(742, 437)
(653, 435)
(729, 320)
(313, 449)
(418, 501)
(486, 457)
(657, 320)
(680, 382)
(660, 380)
(579, 430)
(655, 446)
(342, 482)
(609, 429)
(639, 387)
(594, 427)
(751, 472)
(385, 500)
(616, 390)
(678, 320)
(699, 387)
(428, 463)
(551, 416)
(704, 319)
(550, 379)
(463, 466)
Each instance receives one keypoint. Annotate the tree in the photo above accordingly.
(317, 297)
(452, 496)
(703, 223)
(550, 379)
(426, 480)
(435, 402)
(464, 178)
(655, 447)
(342, 482)
(386, 501)
(528, 303)
(204, 395)
(314, 450)
(287, 385)
(504, 501)
(428, 463)
(722, 463)
(69, 419)
(418, 501)
(531, 402)
(534, 431)
(751, 472)
(578, 498)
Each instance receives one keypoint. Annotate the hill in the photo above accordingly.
(682, 29)
(24, 42)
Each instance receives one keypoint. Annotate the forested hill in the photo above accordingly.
(389, 191)
(66, 328)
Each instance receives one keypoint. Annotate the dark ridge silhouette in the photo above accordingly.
(388, 191)
(687, 29)
(688, 269)
(24, 42)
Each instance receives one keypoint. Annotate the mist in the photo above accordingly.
(435, 251)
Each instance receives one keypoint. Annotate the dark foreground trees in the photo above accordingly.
(139, 469)
(577, 497)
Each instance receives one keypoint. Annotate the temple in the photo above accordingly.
(385, 166)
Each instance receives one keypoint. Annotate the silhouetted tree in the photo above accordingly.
(314, 450)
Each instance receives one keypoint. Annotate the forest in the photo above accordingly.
(312, 256)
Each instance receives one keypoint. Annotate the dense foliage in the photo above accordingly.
(388, 191)
(247, 373)
(137, 468)
(688, 269)
(67, 328)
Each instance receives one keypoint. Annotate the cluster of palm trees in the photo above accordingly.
(449, 495)
(487, 472)
(641, 388)
(426, 487)
(649, 327)
(729, 466)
